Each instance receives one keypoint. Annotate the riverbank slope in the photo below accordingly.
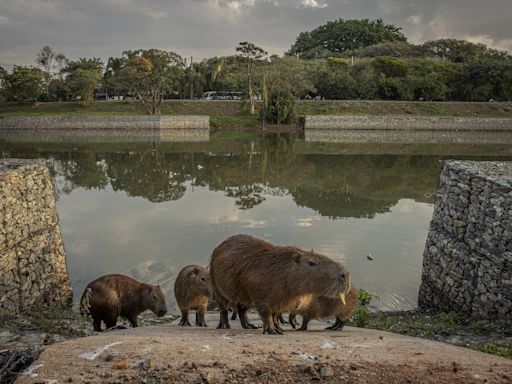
(169, 353)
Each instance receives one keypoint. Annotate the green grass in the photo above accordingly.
(236, 109)
(447, 327)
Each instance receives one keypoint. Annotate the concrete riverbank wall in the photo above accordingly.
(467, 262)
(33, 268)
(105, 128)
(407, 129)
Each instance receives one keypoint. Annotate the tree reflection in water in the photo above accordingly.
(333, 185)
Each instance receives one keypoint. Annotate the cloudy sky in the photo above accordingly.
(204, 28)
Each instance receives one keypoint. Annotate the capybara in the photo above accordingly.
(111, 296)
(192, 291)
(322, 306)
(249, 272)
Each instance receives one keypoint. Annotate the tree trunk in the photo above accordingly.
(249, 87)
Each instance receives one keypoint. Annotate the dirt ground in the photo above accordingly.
(172, 354)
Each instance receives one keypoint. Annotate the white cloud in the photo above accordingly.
(503, 44)
(312, 4)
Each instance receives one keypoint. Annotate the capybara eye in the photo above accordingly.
(154, 297)
(312, 263)
(203, 279)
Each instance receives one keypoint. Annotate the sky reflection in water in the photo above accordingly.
(148, 212)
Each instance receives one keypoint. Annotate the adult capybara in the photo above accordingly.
(192, 291)
(249, 272)
(322, 306)
(111, 296)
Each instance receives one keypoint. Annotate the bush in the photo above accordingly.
(280, 106)
(361, 315)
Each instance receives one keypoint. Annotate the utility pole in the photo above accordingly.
(191, 79)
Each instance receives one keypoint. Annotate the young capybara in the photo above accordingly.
(192, 291)
(319, 307)
(111, 296)
(249, 272)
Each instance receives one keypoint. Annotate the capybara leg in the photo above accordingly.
(200, 322)
(224, 319)
(304, 326)
(331, 327)
(110, 323)
(292, 319)
(268, 322)
(244, 321)
(275, 319)
(338, 325)
(96, 324)
(281, 319)
(133, 321)
(184, 318)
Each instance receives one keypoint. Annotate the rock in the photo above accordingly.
(325, 371)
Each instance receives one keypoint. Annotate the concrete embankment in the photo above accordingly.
(105, 128)
(169, 353)
(408, 129)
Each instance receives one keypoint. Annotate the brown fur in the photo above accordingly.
(111, 296)
(321, 306)
(249, 272)
(192, 290)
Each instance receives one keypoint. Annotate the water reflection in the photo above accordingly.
(147, 211)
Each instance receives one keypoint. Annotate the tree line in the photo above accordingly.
(342, 59)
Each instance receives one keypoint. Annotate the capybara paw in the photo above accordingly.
(249, 326)
(185, 323)
(273, 331)
(223, 326)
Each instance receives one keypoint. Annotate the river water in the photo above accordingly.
(148, 209)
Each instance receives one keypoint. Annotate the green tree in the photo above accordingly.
(460, 51)
(334, 81)
(390, 66)
(24, 84)
(484, 79)
(50, 61)
(363, 73)
(339, 37)
(83, 78)
(3, 75)
(432, 79)
(292, 74)
(152, 74)
(113, 81)
(391, 48)
(250, 54)
(393, 88)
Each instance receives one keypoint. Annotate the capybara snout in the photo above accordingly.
(157, 301)
(319, 272)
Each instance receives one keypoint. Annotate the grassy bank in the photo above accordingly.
(234, 113)
(446, 327)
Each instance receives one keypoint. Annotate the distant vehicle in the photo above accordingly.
(222, 95)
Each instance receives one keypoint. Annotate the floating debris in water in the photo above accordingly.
(369, 256)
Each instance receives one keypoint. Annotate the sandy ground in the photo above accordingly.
(172, 354)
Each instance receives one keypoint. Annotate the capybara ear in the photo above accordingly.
(195, 271)
(296, 257)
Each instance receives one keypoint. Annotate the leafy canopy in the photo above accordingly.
(342, 36)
